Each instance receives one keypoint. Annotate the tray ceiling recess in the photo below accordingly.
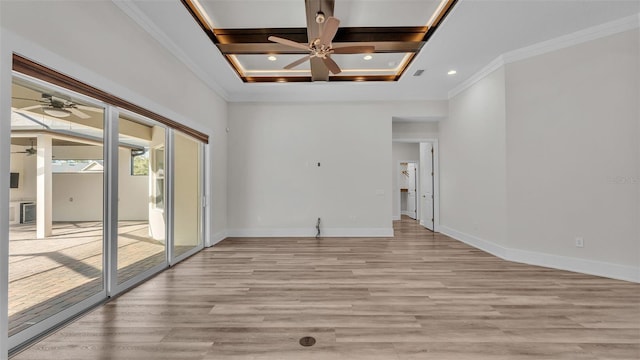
(374, 41)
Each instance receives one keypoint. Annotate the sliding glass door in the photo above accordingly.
(187, 195)
(101, 198)
(56, 237)
(141, 192)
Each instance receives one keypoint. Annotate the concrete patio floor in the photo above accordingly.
(48, 275)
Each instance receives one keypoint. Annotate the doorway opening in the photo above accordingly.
(416, 188)
(409, 189)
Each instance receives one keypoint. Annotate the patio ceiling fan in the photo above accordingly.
(30, 151)
(58, 107)
(321, 47)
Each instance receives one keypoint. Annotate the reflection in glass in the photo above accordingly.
(187, 194)
(56, 223)
(141, 220)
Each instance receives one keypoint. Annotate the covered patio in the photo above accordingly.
(50, 274)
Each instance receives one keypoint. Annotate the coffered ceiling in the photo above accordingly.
(473, 34)
(369, 45)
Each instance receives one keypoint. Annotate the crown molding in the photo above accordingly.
(562, 42)
(134, 12)
(484, 72)
(578, 37)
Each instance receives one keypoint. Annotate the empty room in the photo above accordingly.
(320, 179)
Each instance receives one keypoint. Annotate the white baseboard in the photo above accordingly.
(311, 232)
(396, 217)
(217, 237)
(476, 242)
(585, 266)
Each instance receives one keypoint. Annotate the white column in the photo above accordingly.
(44, 207)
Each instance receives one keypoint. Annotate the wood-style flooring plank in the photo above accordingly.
(418, 295)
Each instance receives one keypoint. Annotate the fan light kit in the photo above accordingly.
(322, 47)
(320, 17)
(55, 112)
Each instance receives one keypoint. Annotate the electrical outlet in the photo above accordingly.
(579, 242)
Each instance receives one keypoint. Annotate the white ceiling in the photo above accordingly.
(475, 33)
(291, 13)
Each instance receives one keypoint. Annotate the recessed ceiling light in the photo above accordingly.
(452, 72)
(272, 58)
(368, 57)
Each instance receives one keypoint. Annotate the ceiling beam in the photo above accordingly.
(344, 34)
(273, 48)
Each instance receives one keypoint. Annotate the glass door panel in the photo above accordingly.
(187, 194)
(56, 243)
(141, 217)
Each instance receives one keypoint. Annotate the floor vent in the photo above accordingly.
(307, 341)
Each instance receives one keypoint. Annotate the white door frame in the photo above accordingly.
(436, 178)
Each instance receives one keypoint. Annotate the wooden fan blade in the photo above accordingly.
(331, 65)
(29, 99)
(329, 31)
(288, 42)
(29, 108)
(89, 108)
(79, 113)
(297, 62)
(354, 49)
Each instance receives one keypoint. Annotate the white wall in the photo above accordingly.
(79, 196)
(572, 151)
(401, 152)
(415, 130)
(133, 191)
(275, 185)
(472, 162)
(139, 70)
(26, 167)
(547, 149)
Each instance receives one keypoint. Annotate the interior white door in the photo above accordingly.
(412, 210)
(426, 185)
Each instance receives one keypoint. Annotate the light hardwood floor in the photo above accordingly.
(416, 296)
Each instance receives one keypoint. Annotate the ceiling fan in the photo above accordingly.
(30, 151)
(58, 107)
(321, 47)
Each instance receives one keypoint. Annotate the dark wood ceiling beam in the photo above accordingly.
(259, 48)
(408, 39)
(346, 34)
(273, 48)
(240, 36)
(287, 79)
